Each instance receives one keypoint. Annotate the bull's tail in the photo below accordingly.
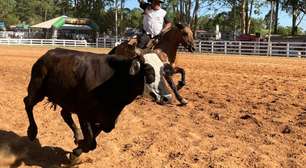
(35, 94)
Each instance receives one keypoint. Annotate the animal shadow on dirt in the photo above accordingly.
(29, 153)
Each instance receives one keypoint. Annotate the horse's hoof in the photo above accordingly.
(183, 102)
(180, 85)
(32, 133)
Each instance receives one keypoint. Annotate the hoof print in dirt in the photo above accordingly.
(215, 115)
(286, 129)
(175, 155)
(246, 116)
(210, 135)
(126, 147)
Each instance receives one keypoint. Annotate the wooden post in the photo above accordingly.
(239, 47)
(288, 49)
(200, 46)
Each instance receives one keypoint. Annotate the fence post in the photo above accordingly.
(212, 47)
(104, 43)
(97, 42)
(85, 43)
(239, 47)
(225, 47)
(288, 49)
(74, 43)
(200, 46)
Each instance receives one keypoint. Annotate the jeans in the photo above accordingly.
(143, 40)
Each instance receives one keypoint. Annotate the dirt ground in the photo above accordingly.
(242, 112)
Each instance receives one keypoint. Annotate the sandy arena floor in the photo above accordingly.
(242, 112)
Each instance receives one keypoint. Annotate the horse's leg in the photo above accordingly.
(168, 76)
(77, 134)
(182, 82)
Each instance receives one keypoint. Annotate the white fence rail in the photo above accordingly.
(289, 49)
(48, 42)
(253, 48)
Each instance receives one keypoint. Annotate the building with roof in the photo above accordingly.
(64, 27)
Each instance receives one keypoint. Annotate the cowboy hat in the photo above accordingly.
(151, 1)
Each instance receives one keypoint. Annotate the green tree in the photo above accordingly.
(7, 11)
(297, 8)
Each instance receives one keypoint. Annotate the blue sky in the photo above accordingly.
(284, 18)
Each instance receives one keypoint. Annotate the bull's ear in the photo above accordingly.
(135, 68)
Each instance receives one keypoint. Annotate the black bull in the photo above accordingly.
(94, 87)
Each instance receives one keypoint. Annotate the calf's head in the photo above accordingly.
(155, 89)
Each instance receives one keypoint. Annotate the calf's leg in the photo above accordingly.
(168, 76)
(175, 90)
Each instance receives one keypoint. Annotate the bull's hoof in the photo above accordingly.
(78, 137)
(84, 146)
(183, 102)
(77, 141)
(73, 160)
(32, 132)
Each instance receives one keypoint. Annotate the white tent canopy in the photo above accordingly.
(47, 24)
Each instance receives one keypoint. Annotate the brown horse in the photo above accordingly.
(166, 48)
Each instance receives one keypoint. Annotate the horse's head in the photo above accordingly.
(187, 37)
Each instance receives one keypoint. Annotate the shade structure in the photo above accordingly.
(76, 27)
(49, 23)
(64, 22)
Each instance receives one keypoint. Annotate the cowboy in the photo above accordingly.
(154, 23)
